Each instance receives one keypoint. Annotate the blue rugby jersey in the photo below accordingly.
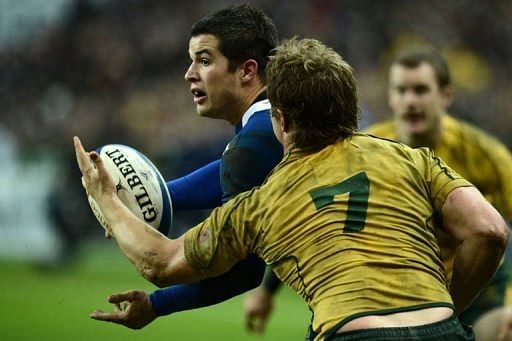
(245, 163)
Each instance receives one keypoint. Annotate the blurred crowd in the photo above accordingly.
(111, 71)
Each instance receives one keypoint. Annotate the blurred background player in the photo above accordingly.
(228, 50)
(347, 220)
(419, 94)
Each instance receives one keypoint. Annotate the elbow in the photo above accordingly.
(497, 234)
(504, 235)
(162, 265)
(156, 274)
(160, 281)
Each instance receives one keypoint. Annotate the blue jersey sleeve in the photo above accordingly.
(244, 276)
(198, 190)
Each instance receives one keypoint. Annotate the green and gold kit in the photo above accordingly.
(350, 228)
(478, 157)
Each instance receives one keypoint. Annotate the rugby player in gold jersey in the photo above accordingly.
(347, 220)
(420, 94)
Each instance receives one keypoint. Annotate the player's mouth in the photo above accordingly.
(199, 96)
(414, 117)
(414, 120)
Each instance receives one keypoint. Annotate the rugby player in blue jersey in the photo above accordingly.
(228, 52)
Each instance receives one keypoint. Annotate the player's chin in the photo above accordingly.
(206, 112)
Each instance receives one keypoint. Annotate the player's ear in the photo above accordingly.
(447, 95)
(249, 70)
(284, 121)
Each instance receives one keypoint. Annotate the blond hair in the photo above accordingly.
(315, 89)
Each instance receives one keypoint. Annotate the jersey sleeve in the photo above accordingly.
(442, 179)
(225, 237)
(198, 190)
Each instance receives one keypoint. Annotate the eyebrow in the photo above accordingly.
(205, 50)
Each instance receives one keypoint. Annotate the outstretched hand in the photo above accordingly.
(96, 180)
(132, 309)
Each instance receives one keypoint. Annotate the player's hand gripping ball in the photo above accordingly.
(139, 185)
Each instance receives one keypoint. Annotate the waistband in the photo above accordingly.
(450, 325)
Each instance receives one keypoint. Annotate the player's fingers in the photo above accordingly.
(98, 162)
(115, 317)
(117, 307)
(251, 323)
(129, 296)
(82, 157)
(259, 325)
(248, 322)
(84, 185)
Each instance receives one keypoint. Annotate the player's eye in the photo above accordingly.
(421, 89)
(400, 89)
(205, 62)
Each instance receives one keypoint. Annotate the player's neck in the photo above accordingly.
(248, 99)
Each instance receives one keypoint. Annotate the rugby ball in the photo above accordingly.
(139, 185)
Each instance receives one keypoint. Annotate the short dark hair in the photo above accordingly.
(415, 55)
(244, 32)
(315, 90)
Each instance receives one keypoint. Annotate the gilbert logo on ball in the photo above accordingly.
(139, 185)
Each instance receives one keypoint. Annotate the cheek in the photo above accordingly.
(223, 86)
(395, 102)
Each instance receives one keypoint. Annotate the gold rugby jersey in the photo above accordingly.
(478, 157)
(350, 228)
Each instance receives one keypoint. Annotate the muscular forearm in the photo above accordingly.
(475, 263)
(157, 258)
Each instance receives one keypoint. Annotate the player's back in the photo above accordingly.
(352, 228)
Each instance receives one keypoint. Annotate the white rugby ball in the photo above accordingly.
(139, 185)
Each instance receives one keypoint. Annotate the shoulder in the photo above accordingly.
(385, 129)
(464, 135)
(257, 133)
(378, 142)
(260, 120)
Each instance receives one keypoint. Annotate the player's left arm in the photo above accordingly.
(157, 258)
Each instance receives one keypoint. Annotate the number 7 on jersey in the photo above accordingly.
(358, 187)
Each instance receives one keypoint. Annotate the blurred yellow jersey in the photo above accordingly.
(350, 228)
(478, 157)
